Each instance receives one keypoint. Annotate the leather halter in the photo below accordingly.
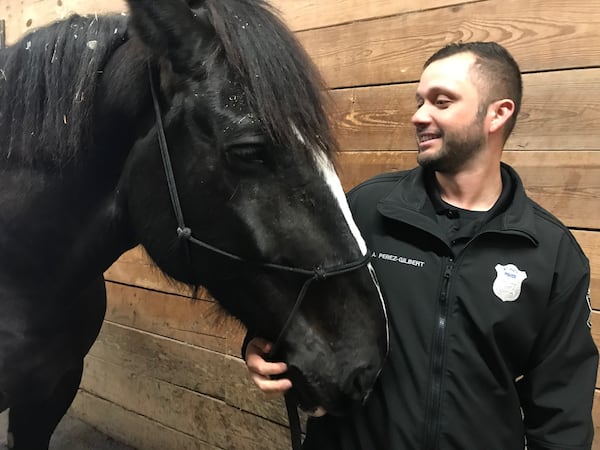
(185, 233)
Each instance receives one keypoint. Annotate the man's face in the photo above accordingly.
(449, 120)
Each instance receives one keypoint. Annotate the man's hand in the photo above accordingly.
(261, 370)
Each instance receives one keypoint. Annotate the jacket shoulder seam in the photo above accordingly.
(551, 219)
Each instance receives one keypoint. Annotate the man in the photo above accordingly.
(488, 293)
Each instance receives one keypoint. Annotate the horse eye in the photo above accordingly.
(246, 156)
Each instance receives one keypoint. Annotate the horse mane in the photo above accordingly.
(48, 81)
(282, 85)
(47, 85)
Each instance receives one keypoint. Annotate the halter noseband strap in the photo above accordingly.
(185, 233)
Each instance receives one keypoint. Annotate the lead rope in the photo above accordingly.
(294, 422)
(184, 232)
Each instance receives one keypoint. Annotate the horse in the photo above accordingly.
(198, 130)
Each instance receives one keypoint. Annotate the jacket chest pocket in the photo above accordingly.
(500, 305)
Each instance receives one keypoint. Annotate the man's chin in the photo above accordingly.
(426, 160)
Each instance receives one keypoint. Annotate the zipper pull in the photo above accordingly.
(448, 271)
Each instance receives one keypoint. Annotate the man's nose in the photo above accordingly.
(420, 116)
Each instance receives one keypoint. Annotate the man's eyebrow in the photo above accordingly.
(436, 90)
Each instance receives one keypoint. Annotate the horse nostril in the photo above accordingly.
(360, 382)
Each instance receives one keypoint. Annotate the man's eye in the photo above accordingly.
(442, 102)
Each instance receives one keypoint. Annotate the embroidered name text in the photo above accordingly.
(399, 259)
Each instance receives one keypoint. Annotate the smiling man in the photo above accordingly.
(490, 343)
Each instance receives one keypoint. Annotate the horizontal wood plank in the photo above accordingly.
(560, 111)
(27, 15)
(208, 419)
(297, 14)
(541, 34)
(194, 368)
(565, 183)
(198, 322)
(135, 267)
(130, 428)
(306, 14)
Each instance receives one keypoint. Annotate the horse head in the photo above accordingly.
(262, 210)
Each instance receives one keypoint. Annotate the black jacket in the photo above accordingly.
(490, 346)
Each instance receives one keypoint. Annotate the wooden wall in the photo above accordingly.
(165, 371)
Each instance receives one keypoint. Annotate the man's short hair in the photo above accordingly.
(497, 71)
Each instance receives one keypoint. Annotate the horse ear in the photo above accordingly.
(170, 29)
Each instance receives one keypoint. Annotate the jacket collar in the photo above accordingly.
(409, 202)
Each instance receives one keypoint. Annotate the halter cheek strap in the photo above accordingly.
(185, 233)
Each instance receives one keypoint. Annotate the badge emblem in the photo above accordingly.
(507, 285)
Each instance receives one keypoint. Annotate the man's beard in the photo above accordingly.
(458, 147)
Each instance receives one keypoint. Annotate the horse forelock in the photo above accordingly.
(281, 83)
(47, 84)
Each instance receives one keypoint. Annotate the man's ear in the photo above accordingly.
(500, 111)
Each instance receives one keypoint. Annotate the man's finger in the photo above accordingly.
(263, 346)
(271, 388)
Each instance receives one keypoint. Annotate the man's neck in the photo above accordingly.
(474, 189)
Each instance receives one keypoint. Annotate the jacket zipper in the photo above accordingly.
(439, 350)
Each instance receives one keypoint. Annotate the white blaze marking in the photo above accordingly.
(333, 181)
(326, 168)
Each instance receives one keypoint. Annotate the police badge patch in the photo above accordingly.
(507, 285)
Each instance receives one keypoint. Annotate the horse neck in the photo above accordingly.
(123, 111)
(83, 197)
(122, 116)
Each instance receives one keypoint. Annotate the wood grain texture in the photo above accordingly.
(135, 430)
(542, 35)
(27, 15)
(135, 267)
(197, 369)
(303, 14)
(199, 322)
(297, 14)
(560, 111)
(208, 419)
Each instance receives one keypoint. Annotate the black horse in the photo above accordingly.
(231, 186)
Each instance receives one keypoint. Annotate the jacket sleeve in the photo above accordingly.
(558, 389)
